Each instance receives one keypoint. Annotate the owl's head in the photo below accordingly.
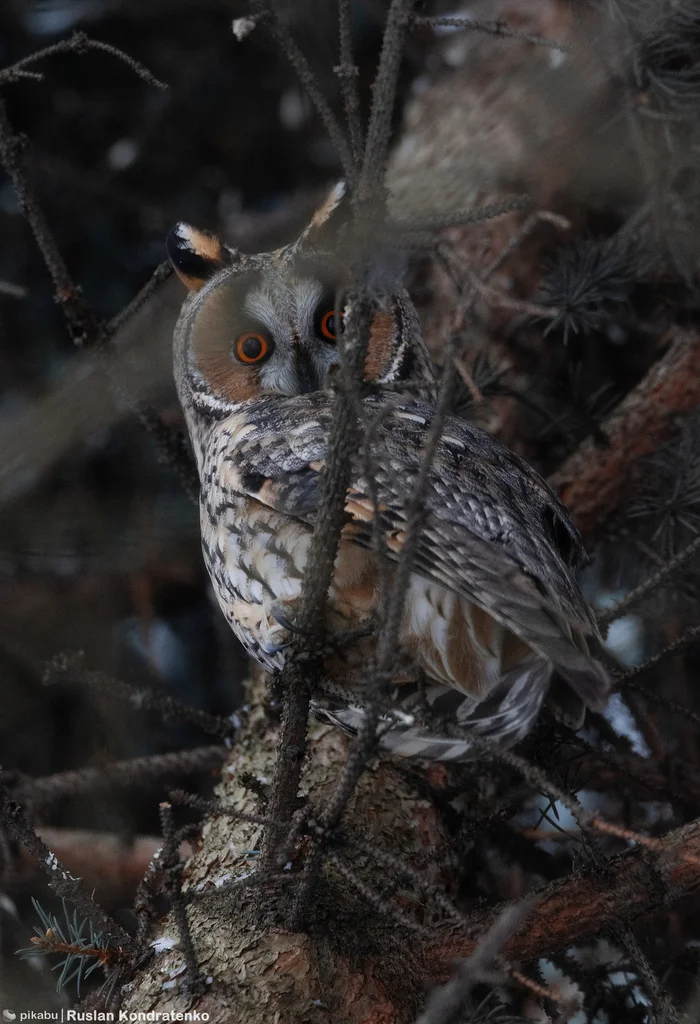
(267, 324)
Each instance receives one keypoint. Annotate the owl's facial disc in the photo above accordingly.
(262, 333)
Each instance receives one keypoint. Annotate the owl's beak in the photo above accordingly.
(307, 378)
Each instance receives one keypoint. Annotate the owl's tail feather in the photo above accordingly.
(586, 676)
(505, 717)
(591, 684)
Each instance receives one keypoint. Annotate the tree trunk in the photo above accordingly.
(353, 965)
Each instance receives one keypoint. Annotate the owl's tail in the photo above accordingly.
(505, 717)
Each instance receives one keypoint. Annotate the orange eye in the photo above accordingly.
(251, 347)
(328, 325)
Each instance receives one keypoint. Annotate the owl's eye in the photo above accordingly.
(252, 347)
(327, 325)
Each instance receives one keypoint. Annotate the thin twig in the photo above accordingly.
(493, 28)
(393, 863)
(60, 880)
(135, 772)
(371, 183)
(287, 45)
(650, 585)
(68, 668)
(525, 229)
(402, 231)
(383, 907)
(84, 327)
(343, 440)
(493, 297)
(661, 1004)
(624, 679)
(173, 449)
(347, 72)
(194, 980)
(452, 1002)
(236, 885)
(214, 807)
(78, 43)
(159, 276)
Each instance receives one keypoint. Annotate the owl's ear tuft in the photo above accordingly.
(328, 208)
(195, 254)
(329, 217)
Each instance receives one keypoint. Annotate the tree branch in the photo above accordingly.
(106, 862)
(578, 908)
(135, 772)
(593, 481)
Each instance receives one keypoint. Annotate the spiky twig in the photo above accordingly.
(82, 952)
(492, 28)
(173, 868)
(135, 772)
(79, 42)
(60, 880)
(452, 1001)
(265, 10)
(68, 668)
(83, 325)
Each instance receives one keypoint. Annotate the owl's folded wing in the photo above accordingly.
(493, 532)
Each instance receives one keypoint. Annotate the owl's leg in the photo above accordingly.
(281, 612)
(344, 628)
(279, 617)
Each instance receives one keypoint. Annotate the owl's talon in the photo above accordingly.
(279, 616)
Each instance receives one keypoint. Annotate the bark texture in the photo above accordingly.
(352, 966)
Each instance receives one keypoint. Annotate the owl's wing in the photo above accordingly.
(493, 531)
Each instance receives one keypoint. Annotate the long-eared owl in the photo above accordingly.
(493, 613)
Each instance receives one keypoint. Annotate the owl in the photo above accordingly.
(493, 618)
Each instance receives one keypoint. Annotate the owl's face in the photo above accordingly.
(267, 324)
(262, 332)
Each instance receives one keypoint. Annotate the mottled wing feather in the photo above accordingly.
(506, 717)
(494, 532)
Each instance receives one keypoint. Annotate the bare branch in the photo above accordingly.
(265, 9)
(593, 481)
(650, 585)
(137, 772)
(492, 28)
(371, 183)
(67, 668)
(448, 1004)
(578, 908)
(347, 72)
(78, 43)
(83, 325)
(63, 883)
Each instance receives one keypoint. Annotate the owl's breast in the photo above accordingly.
(255, 558)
